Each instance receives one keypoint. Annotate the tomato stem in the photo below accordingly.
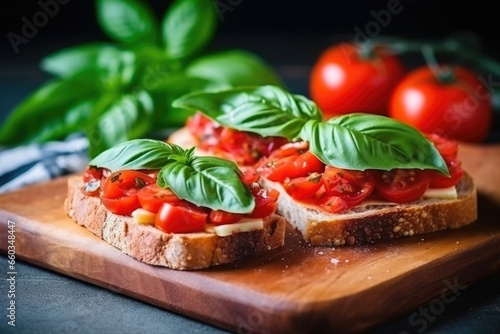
(442, 74)
(367, 50)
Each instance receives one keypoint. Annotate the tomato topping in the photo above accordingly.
(265, 201)
(218, 217)
(352, 186)
(119, 191)
(303, 187)
(92, 173)
(153, 196)
(439, 180)
(244, 147)
(402, 185)
(182, 217)
(332, 204)
(289, 161)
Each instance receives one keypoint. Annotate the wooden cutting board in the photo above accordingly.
(296, 289)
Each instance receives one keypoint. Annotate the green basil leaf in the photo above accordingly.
(188, 27)
(67, 62)
(362, 141)
(128, 21)
(232, 68)
(54, 101)
(266, 110)
(127, 118)
(137, 154)
(210, 182)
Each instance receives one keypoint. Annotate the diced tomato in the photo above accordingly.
(205, 130)
(351, 185)
(249, 176)
(119, 191)
(153, 196)
(218, 217)
(92, 173)
(304, 186)
(332, 204)
(183, 217)
(402, 185)
(446, 147)
(265, 201)
(439, 180)
(290, 161)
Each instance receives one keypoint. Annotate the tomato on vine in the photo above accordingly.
(349, 78)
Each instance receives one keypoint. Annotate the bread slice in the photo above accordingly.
(184, 251)
(370, 224)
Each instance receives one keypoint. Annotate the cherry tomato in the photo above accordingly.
(218, 217)
(352, 186)
(332, 204)
(402, 185)
(289, 161)
(92, 181)
(458, 107)
(265, 201)
(244, 147)
(346, 79)
(304, 187)
(439, 180)
(183, 217)
(153, 196)
(92, 173)
(119, 191)
(446, 147)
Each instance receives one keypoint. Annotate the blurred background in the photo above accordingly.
(288, 35)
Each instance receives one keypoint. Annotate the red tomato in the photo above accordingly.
(222, 217)
(289, 161)
(92, 173)
(402, 185)
(352, 186)
(332, 204)
(204, 129)
(459, 108)
(304, 187)
(439, 180)
(181, 218)
(153, 196)
(343, 80)
(92, 181)
(265, 201)
(244, 147)
(119, 191)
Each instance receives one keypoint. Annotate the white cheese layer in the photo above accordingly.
(244, 225)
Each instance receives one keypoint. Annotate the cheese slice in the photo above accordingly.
(244, 225)
(442, 193)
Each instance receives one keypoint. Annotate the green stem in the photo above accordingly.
(444, 75)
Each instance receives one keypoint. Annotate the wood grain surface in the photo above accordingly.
(295, 289)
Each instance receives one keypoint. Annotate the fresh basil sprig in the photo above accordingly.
(354, 141)
(205, 181)
(363, 141)
(266, 110)
(124, 90)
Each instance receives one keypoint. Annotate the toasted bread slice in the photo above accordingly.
(370, 224)
(184, 251)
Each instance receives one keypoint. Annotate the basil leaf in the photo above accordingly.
(127, 118)
(67, 62)
(54, 101)
(187, 27)
(210, 182)
(232, 68)
(128, 21)
(136, 154)
(361, 141)
(266, 110)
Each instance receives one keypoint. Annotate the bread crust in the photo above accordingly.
(375, 224)
(183, 251)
